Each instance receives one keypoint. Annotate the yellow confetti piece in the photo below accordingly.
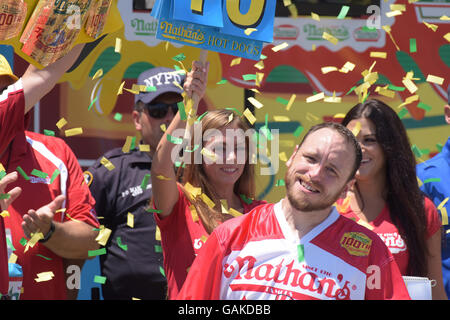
(291, 102)
(118, 46)
(259, 65)
(161, 177)
(73, 132)
(259, 78)
(73, 219)
(157, 234)
(126, 147)
(444, 18)
(130, 220)
(235, 62)
(255, 103)
(234, 212)
(12, 258)
(377, 54)
(447, 37)
(333, 99)
(120, 90)
(176, 84)
(339, 115)
(315, 97)
(193, 191)
(435, 79)
(61, 123)
(280, 47)
(293, 11)
(207, 200)
(249, 31)
(348, 66)
(103, 235)
(356, 129)
(330, 38)
(344, 206)
(385, 92)
(163, 127)
(409, 100)
(204, 238)
(144, 147)
(394, 13)
(282, 156)
(444, 215)
(98, 74)
(107, 164)
(35, 237)
(315, 16)
(329, 69)
(224, 205)
(419, 182)
(249, 115)
(287, 3)
(431, 26)
(388, 31)
(412, 88)
(4, 213)
(442, 204)
(400, 7)
(364, 224)
(44, 276)
(281, 119)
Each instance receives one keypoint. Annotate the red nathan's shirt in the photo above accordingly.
(11, 113)
(257, 257)
(36, 151)
(388, 232)
(182, 239)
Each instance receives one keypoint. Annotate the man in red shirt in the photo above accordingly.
(300, 248)
(50, 178)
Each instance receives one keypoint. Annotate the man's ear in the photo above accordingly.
(348, 186)
(136, 116)
(447, 113)
(288, 163)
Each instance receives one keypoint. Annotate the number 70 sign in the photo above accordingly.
(235, 27)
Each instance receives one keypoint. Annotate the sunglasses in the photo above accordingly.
(159, 110)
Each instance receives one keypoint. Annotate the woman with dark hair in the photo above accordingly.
(217, 187)
(386, 197)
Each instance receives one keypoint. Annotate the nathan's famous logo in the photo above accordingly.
(182, 33)
(144, 28)
(313, 32)
(356, 243)
(305, 279)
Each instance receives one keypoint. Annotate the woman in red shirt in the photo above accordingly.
(217, 184)
(386, 197)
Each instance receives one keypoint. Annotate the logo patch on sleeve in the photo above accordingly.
(356, 243)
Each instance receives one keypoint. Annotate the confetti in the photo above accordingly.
(301, 253)
(73, 132)
(118, 116)
(330, 38)
(431, 26)
(174, 140)
(315, 16)
(39, 174)
(120, 90)
(280, 47)
(100, 279)
(49, 133)
(118, 45)
(329, 69)
(249, 31)
(235, 62)
(447, 37)
(44, 276)
(234, 212)
(343, 13)
(103, 235)
(207, 200)
(249, 115)
(291, 101)
(122, 246)
(128, 142)
(209, 154)
(376, 54)
(435, 79)
(281, 119)
(98, 252)
(255, 103)
(61, 123)
(356, 129)
(348, 66)
(144, 148)
(298, 131)
(144, 182)
(98, 74)
(22, 173)
(224, 205)
(107, 164)
(388, 31)
(315, 97)
(412, 45)
(394, 13)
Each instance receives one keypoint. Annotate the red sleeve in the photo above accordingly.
(384, 280)
(12, 108)
(204, 277)
(80, 204)
(178, 209)
(433, 220)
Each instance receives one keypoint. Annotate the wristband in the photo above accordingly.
(49, 233)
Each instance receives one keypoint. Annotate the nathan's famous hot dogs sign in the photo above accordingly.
(235, 27)
(42, 31)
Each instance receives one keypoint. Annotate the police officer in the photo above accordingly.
(133, 263)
